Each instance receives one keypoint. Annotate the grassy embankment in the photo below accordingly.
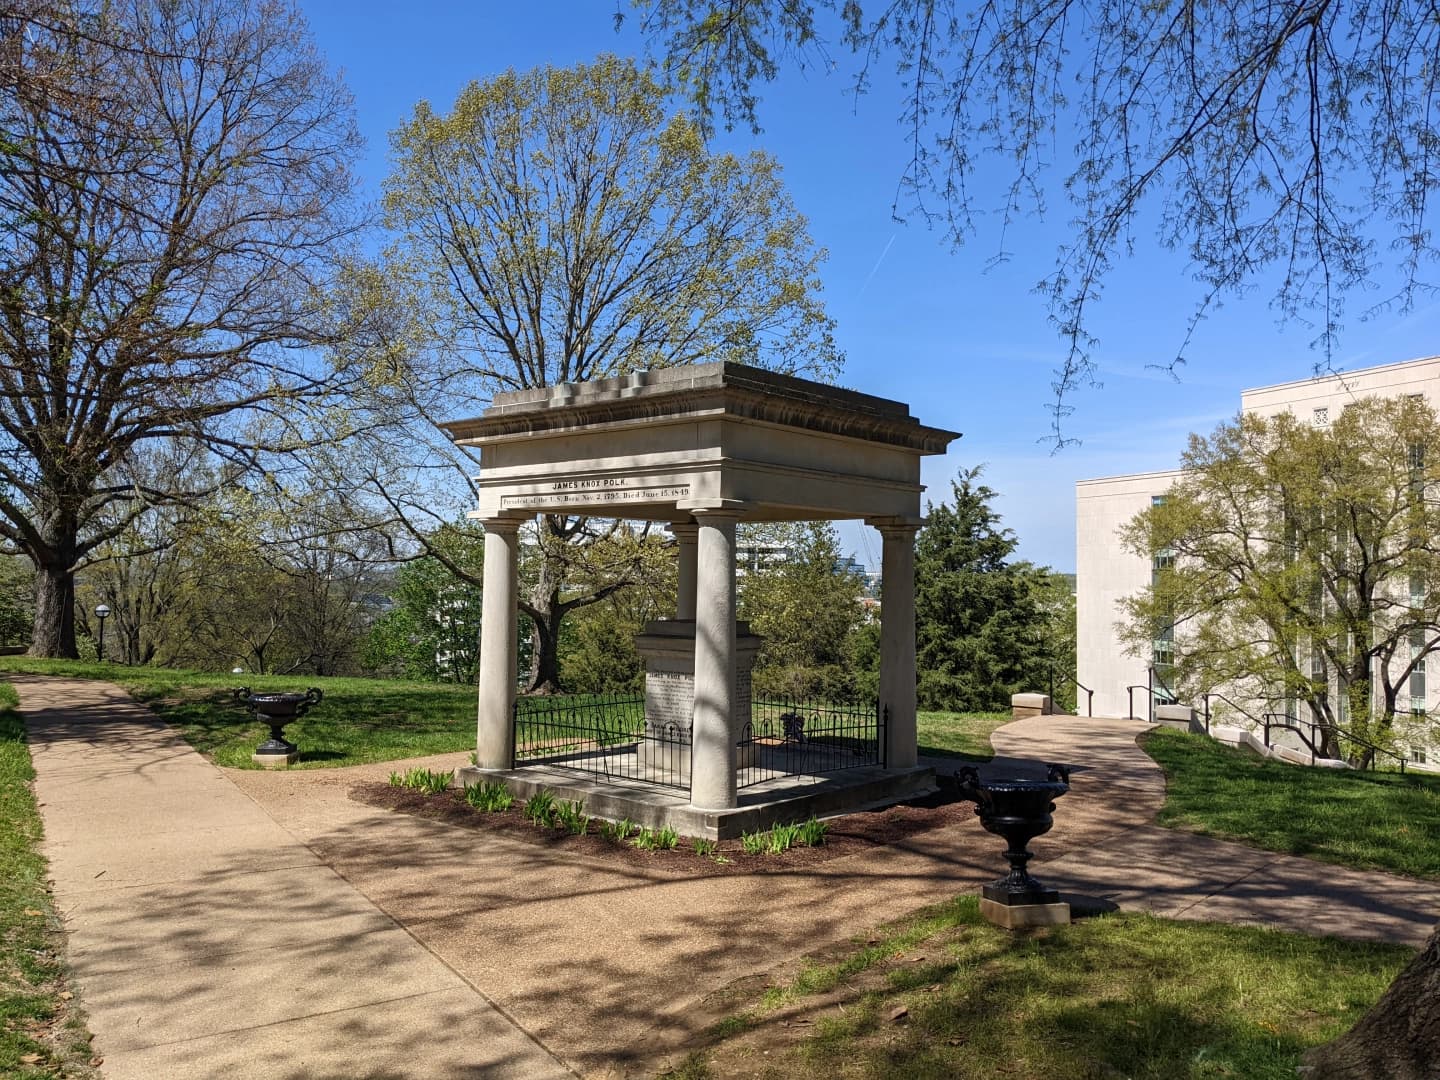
(1368, 820)
(945, 994)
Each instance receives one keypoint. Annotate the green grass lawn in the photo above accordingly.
(39, 1035)
(959, 735)
(1116, 996)
(360, 720)
(1370, 820)
(367, 720)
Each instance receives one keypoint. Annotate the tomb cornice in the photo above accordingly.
(699, 393)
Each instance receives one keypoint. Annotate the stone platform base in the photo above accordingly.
(275, 761)
(1020, 916)
(1024, 706)
(778, 801)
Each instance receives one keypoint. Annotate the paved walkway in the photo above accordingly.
(208, 941)
(265, 924)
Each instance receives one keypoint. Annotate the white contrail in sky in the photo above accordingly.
(876, 268)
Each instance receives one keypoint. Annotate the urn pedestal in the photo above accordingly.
(277, 710)
(1018, 810)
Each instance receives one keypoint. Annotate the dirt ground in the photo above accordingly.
(851, 834)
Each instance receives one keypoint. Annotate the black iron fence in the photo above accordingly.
(603, 737)
(790, 738)
(607, 738)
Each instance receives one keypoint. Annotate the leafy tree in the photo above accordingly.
(272, 612)
(234, 580)
(1055, 601)
(806, 608)
(17, 603)
(555, 226)
(175, 176)
(1306, 563)
(144, 571)
(983, 625)
(433, 631)
(1279, 145)
(597, 650)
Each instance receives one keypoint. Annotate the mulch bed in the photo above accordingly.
(851, 834)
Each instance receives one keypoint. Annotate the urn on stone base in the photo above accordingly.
(1017, 810)
(277, 710)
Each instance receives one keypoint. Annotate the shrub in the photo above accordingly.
(572, 815)
(616, 831)
(782, 838)
(812, 833)
(492, 796)
(540, 807)
(431, 783)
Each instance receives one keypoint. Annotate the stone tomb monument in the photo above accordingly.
(699, 448)
(667, 647)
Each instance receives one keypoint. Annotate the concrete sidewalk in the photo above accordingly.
(207, 941)
(266, 924)
(1140, 866)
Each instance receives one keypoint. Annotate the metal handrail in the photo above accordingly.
(1153, 677)
(1130, 702)
(1089, 694)
(1205, 697)
(1292, 723)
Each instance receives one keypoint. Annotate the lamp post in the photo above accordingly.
(102, 610)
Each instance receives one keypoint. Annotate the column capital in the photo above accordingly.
(717, 515)
(712, 506)
(682, 530)
(896, 526)
(505, 524)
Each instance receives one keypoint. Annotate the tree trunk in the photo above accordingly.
(54, 630)
(1399, 1038)
(545, 655)
(546, 614)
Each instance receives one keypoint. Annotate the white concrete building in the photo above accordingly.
(1106, 573)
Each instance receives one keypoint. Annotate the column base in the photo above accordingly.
(275, 761)
(1022, 916)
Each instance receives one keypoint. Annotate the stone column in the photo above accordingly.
(712, 770)
(495, 734)
(687, 534)
(897, 641)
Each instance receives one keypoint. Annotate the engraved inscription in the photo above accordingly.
(669, 698)
(589, 493)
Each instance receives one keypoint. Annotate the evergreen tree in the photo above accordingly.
(806, 608)
(983, 629)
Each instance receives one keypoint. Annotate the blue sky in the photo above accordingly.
(967, 348)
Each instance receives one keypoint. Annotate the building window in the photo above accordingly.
(1417, 673)
(1417, 756)
(1322, 416)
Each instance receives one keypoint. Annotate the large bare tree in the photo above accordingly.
(561, 225)
(175, 183)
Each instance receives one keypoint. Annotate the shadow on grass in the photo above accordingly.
(1369, 820)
